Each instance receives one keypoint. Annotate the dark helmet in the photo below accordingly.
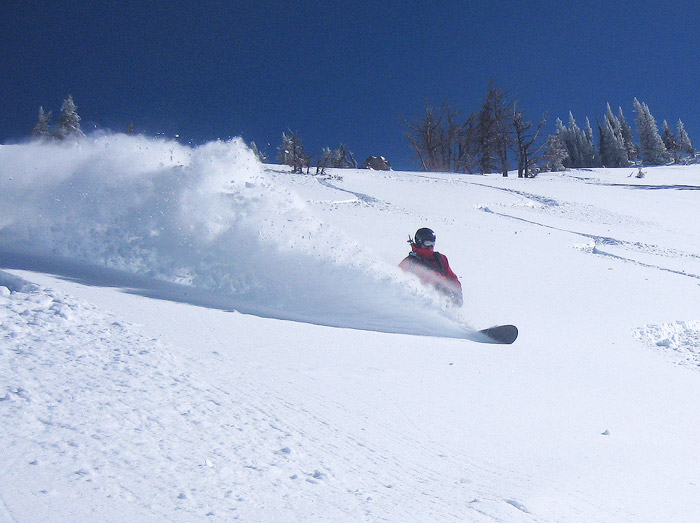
(424, 238)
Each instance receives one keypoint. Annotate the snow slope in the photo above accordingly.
(149, 369)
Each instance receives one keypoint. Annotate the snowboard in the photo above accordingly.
(504, 334)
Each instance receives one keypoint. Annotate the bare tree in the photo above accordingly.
(525, 142)
(466, 147)
(324, 160)
(439, 140)
(425, 136)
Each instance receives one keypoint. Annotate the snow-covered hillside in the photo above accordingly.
(188, 335)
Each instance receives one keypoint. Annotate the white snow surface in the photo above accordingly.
(189, 335)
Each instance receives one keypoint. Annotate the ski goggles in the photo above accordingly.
(428, 243)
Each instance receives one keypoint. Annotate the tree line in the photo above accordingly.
(497, 135)
(290, 152)
(574, 147)
(491, 139)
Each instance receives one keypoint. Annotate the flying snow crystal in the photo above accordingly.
(207, 217)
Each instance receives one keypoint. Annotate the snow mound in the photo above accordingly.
(680, 339)
(208, 217)
(11, 283)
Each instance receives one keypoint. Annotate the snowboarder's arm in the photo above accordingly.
(450, 284)
(449, 274)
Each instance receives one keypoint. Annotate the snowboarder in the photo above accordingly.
(432, 267)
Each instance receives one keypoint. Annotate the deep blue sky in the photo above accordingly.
(340, 70)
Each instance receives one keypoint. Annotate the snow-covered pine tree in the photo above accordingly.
(42, 128)
(69, 120)
(343, 158)
(573, 143)
(562, 136)
(651, 147)
(568, 139)
(554, 154)
(612, 145)
(685, 145)
(340, 158)
(262, 157)
(588, 150)
(605, 146)
(612, 119)
(579, 144)
(609, 153)
(670, 141)
(291, 152)
(627, 136)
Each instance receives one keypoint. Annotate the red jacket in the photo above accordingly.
(433, 269)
